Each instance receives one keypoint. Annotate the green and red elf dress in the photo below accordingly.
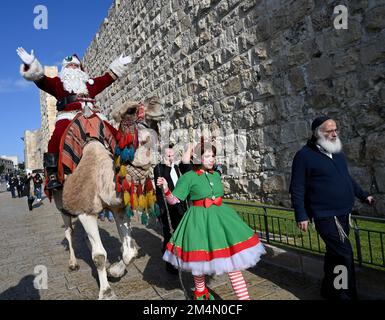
(211, 238)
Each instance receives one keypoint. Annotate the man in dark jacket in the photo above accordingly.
(28, 190)
(13, 185)
(171, 172)
(322, 189)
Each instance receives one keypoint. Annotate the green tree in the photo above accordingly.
(22, 166)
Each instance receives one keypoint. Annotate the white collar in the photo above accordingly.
(324, 151)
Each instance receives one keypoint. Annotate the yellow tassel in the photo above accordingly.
(126, 198)
(135, 202)
(122, 171)
(150, 197)
(117, 162)
(142, 202)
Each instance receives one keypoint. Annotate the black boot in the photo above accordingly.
(50, 164)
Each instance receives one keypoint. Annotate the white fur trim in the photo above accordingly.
(66, 115)
(118, 68)
(239, 261)
(34, 73)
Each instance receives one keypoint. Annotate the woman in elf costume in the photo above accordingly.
(211, 238)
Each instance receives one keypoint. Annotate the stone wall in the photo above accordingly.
(267, 66)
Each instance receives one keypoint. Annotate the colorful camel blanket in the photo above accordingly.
(78, 133)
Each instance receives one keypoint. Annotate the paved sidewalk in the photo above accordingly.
(32, 238)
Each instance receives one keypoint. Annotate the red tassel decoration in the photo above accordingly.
(129, 139)
(126, 185)
(118, 185)
(136, 139)
(149, 186)
(140, 189)
(122, 142)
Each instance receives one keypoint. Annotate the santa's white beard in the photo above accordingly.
(74, 80)
(330, 146)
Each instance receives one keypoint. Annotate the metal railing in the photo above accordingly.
(274, 226)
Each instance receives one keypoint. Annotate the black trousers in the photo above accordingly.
(176, 214)
(30, 201)
(337, 253)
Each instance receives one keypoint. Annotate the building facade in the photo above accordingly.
(36, 142)
(8, 164)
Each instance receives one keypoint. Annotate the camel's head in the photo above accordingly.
(149, 112)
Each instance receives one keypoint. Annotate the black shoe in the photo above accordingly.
(50, 164)
(171, 269)
(53, 183)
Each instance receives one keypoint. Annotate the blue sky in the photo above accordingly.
(71, 28)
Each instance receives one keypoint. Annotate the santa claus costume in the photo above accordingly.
(74, 91)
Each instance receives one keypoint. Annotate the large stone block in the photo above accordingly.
(232, 86)
(297, 79)
(375, 147)
(379, 173)
(374, 20)
(319, 69)
(373, 51)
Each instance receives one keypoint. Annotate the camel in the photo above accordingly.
(91, 188)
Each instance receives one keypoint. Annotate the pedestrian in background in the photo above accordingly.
(38, 181)
(12, 185)
(20, 185)
(108, 213)
(29, 191)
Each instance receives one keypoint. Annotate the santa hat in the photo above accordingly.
(72, 59)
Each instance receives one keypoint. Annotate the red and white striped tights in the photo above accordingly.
(237, 282)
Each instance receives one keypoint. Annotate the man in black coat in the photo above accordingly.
(322, 189)
(28, 190)
(171, 172)
(13, 185)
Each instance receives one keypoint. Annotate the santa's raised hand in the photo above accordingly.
(25, 56)
(120, 65)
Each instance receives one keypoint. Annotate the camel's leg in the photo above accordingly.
(99, 254)
(73, 263)
(129, 250)
(68, 232)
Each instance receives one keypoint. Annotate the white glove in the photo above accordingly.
(124, 60)
(120, 65)
(24, 56)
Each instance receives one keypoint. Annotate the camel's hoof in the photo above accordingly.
(107, 294)
(116, 270)
(73, 267)
(128, 258)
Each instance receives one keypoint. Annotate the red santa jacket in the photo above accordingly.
(54, 86)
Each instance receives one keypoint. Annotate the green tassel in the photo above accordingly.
(129, 212)
(155, 212)
(144, 219)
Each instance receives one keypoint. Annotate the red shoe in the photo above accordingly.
(203, 295)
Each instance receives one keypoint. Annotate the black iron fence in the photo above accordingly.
(277, 225)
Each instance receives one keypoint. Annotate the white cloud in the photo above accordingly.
(12, 85)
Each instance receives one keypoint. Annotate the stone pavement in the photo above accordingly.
(30, 239)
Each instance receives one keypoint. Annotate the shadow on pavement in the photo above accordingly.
(298, 284)
(24, 290)
(82, 247)
(155, 270)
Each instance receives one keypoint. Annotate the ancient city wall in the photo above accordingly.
(267, 66)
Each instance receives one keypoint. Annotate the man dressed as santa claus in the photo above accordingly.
(74, 91)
